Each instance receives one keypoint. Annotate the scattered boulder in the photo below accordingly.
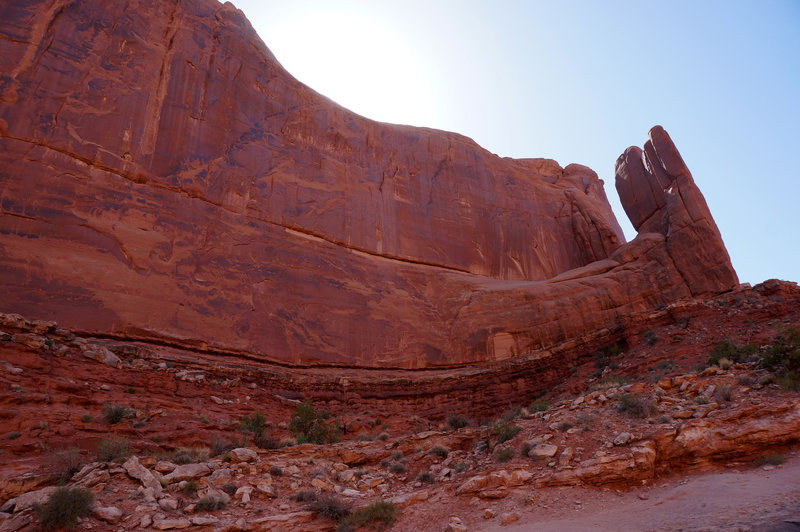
(187, 472)
(109, 514)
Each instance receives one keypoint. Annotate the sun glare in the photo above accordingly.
(357, 61)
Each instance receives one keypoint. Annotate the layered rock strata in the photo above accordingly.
(163, 178)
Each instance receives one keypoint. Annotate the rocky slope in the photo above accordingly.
(162, 177)
(191, 239)
(58, 389)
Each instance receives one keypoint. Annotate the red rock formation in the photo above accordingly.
(162, 177)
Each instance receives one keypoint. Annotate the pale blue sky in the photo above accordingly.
(579, 81)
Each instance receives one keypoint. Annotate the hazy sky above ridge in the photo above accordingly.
(579, 81)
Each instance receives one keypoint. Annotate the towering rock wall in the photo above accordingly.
(162, 177)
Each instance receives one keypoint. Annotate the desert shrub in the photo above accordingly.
(564, 426)
(650, 338)
(612, 381)
(784, 351)
(379, 514)
(664, 365)
(190, 455)
(504, 454)
(112, 449)
(304, 496)
(266, 442)
(730, 351)
(209, 503)
(770, 459)
(745, 380)
(330, 506)
(63, 508)
(65, 463)
(221, 446)
(426, 476)
(783, 358)
(383, 436)
(460, 467)
(189, 488)
(525, 448)
(275, 471)
(701, 400)
(724, 393)
(788, 380)
(763, 380)
(725, 363)
(86, 418)
(13, 435)
(311, 426)
(540, 405)
(397, 455)
(506, 431)
(634, 405)
(254, 424)
(439, 451)
(397, 468)
(113, 414)
(229, 489)
(457, 422)
(603, 358)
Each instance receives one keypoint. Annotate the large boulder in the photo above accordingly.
(164, 178)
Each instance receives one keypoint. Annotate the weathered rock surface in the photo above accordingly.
(162, 177)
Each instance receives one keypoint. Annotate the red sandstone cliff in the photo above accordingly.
(162, 177)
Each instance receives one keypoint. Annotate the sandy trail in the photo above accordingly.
(752, 499)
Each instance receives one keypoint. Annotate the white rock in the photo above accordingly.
(136, 470)
(242, 454)
(187, 472)
(543, 450)
(623, 438)
(109, 514)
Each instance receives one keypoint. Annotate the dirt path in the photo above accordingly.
(752, 499)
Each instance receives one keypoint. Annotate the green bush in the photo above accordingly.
(734, 353)
(426, 477)
(253, 424)
(189, 488)
(397, 468)
(457, 422)
(310, 425)
(564, 426)
(330, 506)
(63, 508)
(379, 514)
(506, 431)
(65, 463)
(634, 405)
(190, 455)
(209, 503)
(304, 496)
(783, 358)
(113, 414)
(540, 405)
(111, 449)
(504, 454)
(439, 451)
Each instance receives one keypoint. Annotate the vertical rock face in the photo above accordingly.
(659, 195)
(163, 177)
